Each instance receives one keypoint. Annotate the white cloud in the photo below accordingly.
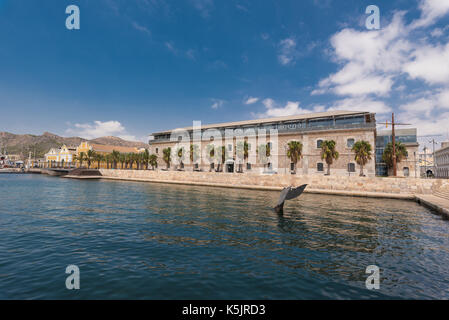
(99, 129)
(369, 63)
(431, 10)
(217, 103)
(251, 100)
(272, 109)
(425, 125)
(287, 51)
(203, 6)
(141, 28)
(360, 104)
(171, 47)
(422, 106)
(374, 84)
(430, 63)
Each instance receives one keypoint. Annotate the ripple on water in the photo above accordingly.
(141, 240)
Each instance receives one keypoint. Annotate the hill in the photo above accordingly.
(24, 143)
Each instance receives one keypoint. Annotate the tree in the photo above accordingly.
(81, 158)
(108, 158)
(180, 153)
(242, 152)
(329, 153)
(90, 157)
(146, 158)
(401, 153)
(264, 153)
(210, 153)
(166, 156)
(153, 161)
(99, 158)
(193, 154)
(220, 155)
(115, 157)
(122, 159)
(363, 152)
(294, 152)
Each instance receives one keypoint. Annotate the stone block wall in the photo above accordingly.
(335, 183)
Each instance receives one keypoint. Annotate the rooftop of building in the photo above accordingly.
(444, 147)
(109, 148)
(306, 116)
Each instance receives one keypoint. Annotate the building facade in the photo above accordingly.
(407, 167)
(442, 161)
(63, 154)
(344, 127)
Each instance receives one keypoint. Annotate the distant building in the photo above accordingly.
(426, 163)
(408, 166)
(442, 161)
(105, 149)
(63, 154)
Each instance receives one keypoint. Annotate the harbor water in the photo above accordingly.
(135, 240)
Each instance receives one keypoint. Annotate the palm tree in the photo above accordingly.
(122, 159)
(193, 154)
(90, 157)
(180, 153)
(242, 152)
(153, 161)
(220, 153)
(401, 153)
(107, 159)
(329, 153)
(167, 156)
(294, 153)
(129, 160)
(145, 158)
(210, 152)
(263, 153)
(362, 150)
(115, 156)
(81, 158)
(99, 158)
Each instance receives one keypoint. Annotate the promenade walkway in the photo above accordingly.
(435, 202)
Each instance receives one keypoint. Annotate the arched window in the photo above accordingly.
(318, 143)
(320, 167)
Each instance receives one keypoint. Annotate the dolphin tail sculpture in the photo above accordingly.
(288, 194)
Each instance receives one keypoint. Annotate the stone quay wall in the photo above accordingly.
(354, 185)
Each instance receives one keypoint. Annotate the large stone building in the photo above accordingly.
(344, 127)
(442, 161)
(408, 166)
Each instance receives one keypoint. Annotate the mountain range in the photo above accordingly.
(38, 145)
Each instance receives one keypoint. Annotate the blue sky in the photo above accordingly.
(140, 66)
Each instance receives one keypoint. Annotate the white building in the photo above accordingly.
(442, 161)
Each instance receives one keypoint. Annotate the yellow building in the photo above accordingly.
(62, 154)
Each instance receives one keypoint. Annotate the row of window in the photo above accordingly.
(349, 143)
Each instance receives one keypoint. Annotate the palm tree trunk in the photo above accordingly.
(361, 171)
(328, 169)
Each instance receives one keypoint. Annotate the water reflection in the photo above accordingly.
(199, 242)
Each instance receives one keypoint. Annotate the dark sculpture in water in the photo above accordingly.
(288, 194)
